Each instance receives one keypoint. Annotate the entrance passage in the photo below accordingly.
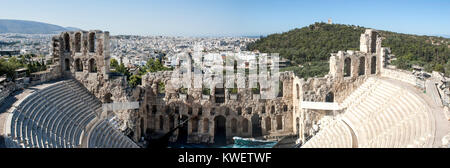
(220, 131)
(256, 126)
(183, 130)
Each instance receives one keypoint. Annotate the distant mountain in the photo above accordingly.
(441, 35)
(31, 27)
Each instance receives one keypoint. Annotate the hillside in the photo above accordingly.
(311, 46)
(30, 27)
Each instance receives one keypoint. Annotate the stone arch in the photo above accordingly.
(194, 124)
(329, 97)
(67, 64)
(66, 42)
(200, 111)
(183, 130)
(92, 66)
(268, 124)
(279, 122)
(239, 111)
(234, 126)
(206, 125)
(249, 110)
(108, 98)
(373, 65)
(78, 42)
(347, 67)
(256, 126)
(280, 88)
(220, 130)
(362, 66)
(245, 125)
(91, 42)
(78, 65)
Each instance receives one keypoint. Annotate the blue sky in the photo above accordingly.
(231, 17)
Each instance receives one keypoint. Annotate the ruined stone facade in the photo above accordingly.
(242, 114)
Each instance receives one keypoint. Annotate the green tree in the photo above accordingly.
(135, 80)
(113, 63)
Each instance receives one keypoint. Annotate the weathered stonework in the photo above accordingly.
(201, 127)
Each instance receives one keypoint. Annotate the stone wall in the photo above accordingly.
(237, 109)
(401, 75)
(6, 88)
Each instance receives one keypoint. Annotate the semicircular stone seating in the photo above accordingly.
(335, 135)
(57, 116)
(104, 135)
(381, 114)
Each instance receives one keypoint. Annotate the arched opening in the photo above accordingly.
(108, 98)
(183, 130)
(200, 111)
(374, 42)
(194, 124)
(279, 122)
(171, 122)
(154, 109)
(67, 64)
(233, 126)
(245, 125)
(142, 127)
(272, 110)
(330, 97)
(268, 124)
(362, 66)
(220, 94)
(190, 110)
(256, 126)
(78, 42)
(239, 111)
(91, 42)
(205, 125)
(220, 134)
(67, 42)
(249, 110)
(298, 92)
(280, 89)
(373, 65)
(92, 66)
(78, 65)
(347, 67)
(161, 122)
